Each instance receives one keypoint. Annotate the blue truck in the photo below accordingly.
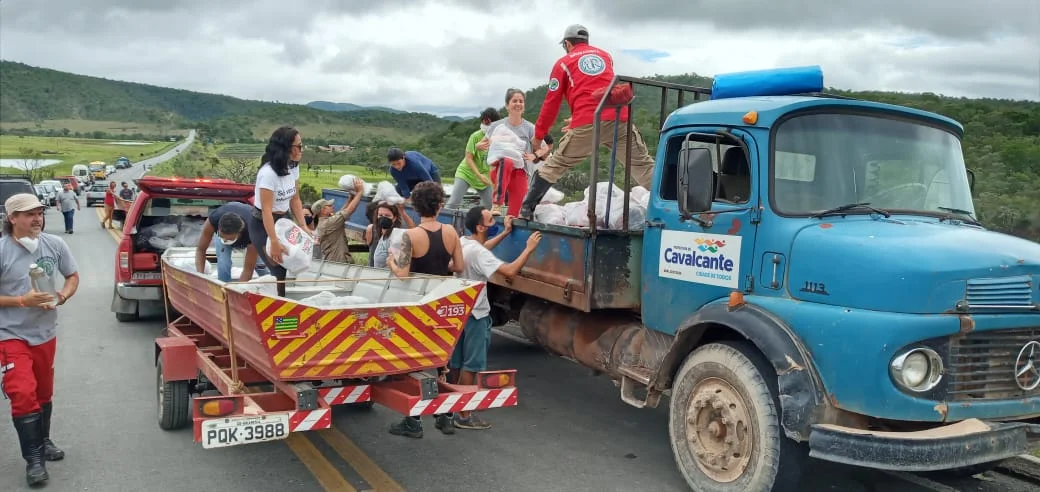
(810, 281)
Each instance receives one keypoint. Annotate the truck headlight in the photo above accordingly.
(918, 369)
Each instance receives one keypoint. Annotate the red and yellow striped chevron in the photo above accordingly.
(306, 343)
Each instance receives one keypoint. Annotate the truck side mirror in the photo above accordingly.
(695, 181)
(971, 180)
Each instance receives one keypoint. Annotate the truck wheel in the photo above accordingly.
(724, 423)
(174, 400)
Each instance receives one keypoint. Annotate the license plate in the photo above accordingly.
(147, 276)
(221, 433)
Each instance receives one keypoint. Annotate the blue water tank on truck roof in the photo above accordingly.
(772, 82)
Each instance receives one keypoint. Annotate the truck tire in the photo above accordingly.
(724, 423)
(174, 400)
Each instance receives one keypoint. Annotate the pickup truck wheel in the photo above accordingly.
(174, 400)
(724, 423)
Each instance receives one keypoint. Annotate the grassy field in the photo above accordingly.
(328, 177)
(345, 132)
(72, 151)
(86, 126)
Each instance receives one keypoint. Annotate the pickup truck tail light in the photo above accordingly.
(123, 258)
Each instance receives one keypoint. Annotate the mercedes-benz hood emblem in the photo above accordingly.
(1027, 366)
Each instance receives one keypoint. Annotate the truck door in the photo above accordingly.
(687, 264)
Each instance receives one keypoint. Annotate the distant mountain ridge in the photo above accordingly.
(334, 106)
(34, 93)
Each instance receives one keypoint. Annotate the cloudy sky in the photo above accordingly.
(458, 56)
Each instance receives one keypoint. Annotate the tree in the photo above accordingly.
(33, 164)
(238, 169)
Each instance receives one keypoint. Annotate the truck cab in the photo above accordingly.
(810, 280)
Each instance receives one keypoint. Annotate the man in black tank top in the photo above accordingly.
(442, 257)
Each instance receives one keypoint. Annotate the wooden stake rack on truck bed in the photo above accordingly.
(279, 364)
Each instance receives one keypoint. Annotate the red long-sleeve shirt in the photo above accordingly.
(575, 76)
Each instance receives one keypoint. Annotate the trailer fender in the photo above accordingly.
(800, 388)
(178, 358)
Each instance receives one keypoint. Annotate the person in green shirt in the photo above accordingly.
(473, 171)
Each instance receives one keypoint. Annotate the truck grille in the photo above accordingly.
(1000, 292)
(982, 364)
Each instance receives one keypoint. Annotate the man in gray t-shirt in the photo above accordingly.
(28, 326)
(68, 204)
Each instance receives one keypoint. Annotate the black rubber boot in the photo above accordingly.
(537, 189)
(30, 435)
(50, 451)
(409, 427)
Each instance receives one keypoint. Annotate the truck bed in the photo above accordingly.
(575, 268)
(570, 267)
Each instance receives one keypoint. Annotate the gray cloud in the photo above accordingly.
(961, 19)
(273, 50)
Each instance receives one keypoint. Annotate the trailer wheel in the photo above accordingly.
(724, 423)
(174, 400)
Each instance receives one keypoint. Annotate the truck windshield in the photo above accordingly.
(821, 161)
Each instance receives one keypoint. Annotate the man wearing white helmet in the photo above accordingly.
(582, 77)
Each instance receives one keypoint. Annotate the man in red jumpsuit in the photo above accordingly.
(577, 77)
(28, 326)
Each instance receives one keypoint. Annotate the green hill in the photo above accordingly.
(31, 94)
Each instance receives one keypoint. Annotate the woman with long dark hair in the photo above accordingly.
(385, 218)
(276, 192)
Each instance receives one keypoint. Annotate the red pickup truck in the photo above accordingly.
(167, 212)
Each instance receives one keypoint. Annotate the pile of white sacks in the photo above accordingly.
(575, 214)
(550, 211)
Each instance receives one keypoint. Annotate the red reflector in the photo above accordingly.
(495, 380)
(217, 408)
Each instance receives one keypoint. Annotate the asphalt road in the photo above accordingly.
(138, 168)
(570, 431)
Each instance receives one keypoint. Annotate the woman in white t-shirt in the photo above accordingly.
(276, 193)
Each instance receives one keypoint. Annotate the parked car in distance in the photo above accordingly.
(96, 193)
(47, 194)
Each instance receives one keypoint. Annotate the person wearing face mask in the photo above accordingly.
(228, 223)
(28, 327)
(473, 171)
(470, 355)
(385, 218)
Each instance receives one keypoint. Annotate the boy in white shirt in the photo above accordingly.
(470, 355)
